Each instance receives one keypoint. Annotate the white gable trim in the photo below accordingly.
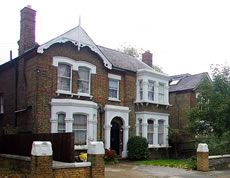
(79, 38)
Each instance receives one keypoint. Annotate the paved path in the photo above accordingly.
(127, 169)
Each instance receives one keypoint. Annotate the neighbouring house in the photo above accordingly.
(70, 84)
(183, 95)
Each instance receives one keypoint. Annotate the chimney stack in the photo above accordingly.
(27, 32)
(147, 58)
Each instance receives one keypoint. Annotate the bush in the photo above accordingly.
(138, 148)
(109, 155)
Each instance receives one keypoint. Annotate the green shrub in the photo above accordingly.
(138, 148)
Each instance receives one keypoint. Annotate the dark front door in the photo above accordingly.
(116, 136)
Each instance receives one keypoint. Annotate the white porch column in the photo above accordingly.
(145, 89)
(144, 128)
(137, 127)
(156, 85)
(107, 136)
(155, 140)
(125, 140)
(53, 122)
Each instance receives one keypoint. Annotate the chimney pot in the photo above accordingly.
(147, 58)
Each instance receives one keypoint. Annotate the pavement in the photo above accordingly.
(127, 169)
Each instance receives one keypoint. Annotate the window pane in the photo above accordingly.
(61, 123)
(64, 70)
(161, 98)
(161, 88)
(150, 131)
(83, 80)
(160, 132)
(151, 91)
(83, 74)
(80, 128)
(113, 88)
(64, 77)
(64, 84)
(113, 93)
(140, 127)
(141, 89)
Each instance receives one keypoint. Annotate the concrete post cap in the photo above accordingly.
(202, 147)
(96, 148)
(40, 148)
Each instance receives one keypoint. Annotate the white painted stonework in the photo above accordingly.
(41, 148)
(111, 112)
(96, 148)
(202, 147)
(155, 117)
(79, 38)
(70, 107)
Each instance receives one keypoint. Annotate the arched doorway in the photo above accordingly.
(116, 141)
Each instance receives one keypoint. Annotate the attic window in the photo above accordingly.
(174, 82)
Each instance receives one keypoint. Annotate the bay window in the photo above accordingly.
(64, 77)
(80, 129)
(84, 80)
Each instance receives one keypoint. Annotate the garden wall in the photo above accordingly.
(219, 162)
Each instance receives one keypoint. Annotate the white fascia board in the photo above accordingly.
(113, 76)
(152, 113)
(79, 38)
(153, 74)
(72, 102)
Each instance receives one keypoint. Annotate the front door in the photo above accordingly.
(116, 143)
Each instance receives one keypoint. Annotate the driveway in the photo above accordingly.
(127, 169)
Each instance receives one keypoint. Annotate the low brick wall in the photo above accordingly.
(40, 164)
(219, 162)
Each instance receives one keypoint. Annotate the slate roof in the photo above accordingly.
(123, 61)
(187, 81)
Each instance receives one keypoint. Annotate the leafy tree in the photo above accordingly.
(137, 53)
(211, 117)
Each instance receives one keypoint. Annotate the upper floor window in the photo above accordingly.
(64, 77)
(150, 131)
(161, 93)
(80, 129)
(151, 90)
(113, 88)
(141, 89)
(160, 132)
(61, 123)
(84, 80)
(1, 104)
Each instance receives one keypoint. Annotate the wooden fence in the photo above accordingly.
(21, 144)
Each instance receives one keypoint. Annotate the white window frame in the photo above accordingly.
(140, 127)
(70, 78)
(141, 90)
(152, 91)
(115, 78)
(163, 133)
(161, 94)
(89, 85)
(86, 118)
(1, 104)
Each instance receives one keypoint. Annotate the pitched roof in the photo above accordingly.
(123, 61)
(186, 81)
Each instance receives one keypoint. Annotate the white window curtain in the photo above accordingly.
(150, 131)
(141, 89)
(161, 93)
(113, 88)
(61, 123)
(83, 80)
(151, 91)
(80, 129)
(64, 77)
(160, 132)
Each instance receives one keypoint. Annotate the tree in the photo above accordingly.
(137, 53)
(211, 117)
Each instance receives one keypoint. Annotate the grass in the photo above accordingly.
(185, 163)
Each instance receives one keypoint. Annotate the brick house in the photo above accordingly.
(70, 84)
(183, 96)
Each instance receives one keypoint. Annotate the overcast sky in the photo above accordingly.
(185, 36)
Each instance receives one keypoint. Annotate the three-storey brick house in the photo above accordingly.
(70, 84)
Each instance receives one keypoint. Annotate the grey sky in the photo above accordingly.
(185, 36)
